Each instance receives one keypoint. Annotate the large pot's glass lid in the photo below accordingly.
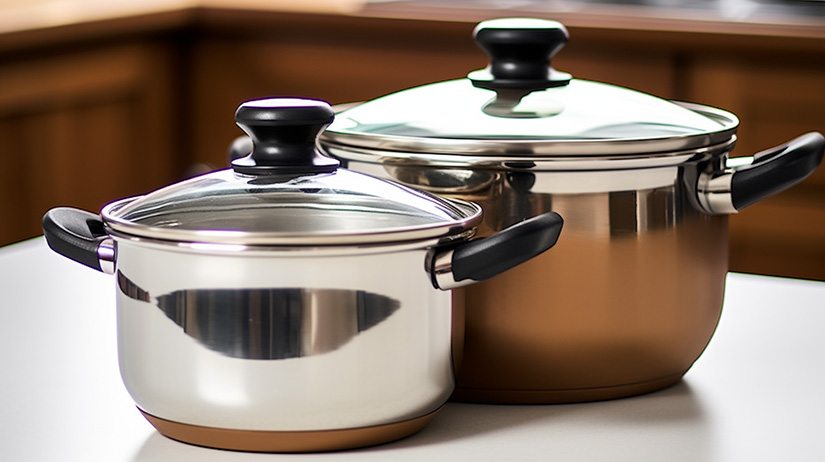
(520, 105)
(285, 193)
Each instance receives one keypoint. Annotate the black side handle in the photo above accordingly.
(776, 169)
(75, 234)
(484, 258)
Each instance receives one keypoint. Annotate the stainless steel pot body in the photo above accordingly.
(633, 292)
(288, 305)
(272, 340)
(625, 304)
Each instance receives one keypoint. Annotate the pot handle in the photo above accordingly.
(747, 180)
(242, 146)
(520, 51)
(482, 259)
(80, 236)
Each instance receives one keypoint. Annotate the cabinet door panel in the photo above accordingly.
(338, 71)
(775, 101)
(82, 128)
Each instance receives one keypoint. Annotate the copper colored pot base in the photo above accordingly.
(288, 441)
(478, 395)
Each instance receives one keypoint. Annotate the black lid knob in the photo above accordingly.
(283, 133)
(520, 50)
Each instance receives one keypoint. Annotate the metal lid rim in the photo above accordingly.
(326, 239)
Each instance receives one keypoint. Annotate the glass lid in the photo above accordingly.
(285, 193)
(581, 110)
(520, 105)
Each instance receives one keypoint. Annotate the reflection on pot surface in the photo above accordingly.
(630, 296)
(277, 323)
(624, 304)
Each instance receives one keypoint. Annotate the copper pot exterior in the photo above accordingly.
(625, 302)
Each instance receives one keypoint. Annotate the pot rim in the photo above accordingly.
(502, 163)
(477, 151)
(422, 235)
(283, 251)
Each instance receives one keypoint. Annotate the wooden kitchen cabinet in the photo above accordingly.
(81, 128)
(340, 59)
(145, 102)
(776, 98)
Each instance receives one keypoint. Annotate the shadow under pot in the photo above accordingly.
(287, 304)
(631, 295)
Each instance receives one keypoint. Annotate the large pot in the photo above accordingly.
(286, 304)
(630, 297)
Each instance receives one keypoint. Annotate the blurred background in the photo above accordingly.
(101, 100)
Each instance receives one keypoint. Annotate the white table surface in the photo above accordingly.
(757, 393)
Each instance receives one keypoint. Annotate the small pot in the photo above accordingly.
(630, 297)
(287, 304)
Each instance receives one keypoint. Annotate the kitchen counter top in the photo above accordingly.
(755, 394)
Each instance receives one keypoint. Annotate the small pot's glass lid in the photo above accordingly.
(286, 193)
(520, 99)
